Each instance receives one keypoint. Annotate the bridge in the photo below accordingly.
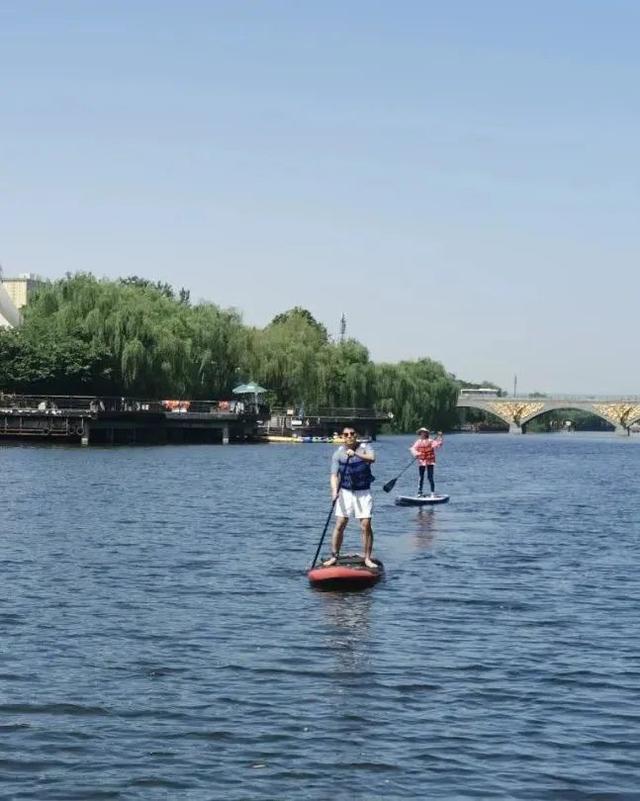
(621, 412)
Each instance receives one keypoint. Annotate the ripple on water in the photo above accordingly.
(162, 640)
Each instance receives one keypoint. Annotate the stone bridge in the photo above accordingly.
(621, 412)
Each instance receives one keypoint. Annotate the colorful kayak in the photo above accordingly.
(348, 574)
(421, 500)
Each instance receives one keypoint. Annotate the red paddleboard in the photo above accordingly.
(348, 574)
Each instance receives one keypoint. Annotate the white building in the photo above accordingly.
(9, 316)
(15, 293)
(21, 289)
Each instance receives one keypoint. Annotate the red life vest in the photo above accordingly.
(425, 451)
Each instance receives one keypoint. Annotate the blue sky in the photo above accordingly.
(460, 179)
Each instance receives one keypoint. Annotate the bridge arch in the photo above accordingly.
(567, 408)
(636, 419)
(503, 418)
(517, 412)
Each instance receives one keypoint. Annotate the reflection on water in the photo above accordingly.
(347, 643)
(348, 617)
(425, 527)
(347, 614)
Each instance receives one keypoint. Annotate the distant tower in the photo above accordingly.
(343, 327)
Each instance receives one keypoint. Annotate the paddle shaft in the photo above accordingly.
(391, 484)
(333, 504)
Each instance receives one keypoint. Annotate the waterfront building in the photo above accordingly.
(9, 315)
(21, 289)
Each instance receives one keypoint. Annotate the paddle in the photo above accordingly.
(333, 503)
(391, 484)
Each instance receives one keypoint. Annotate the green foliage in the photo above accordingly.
(139, 338)
(147, 342)
(51, 365)
(160, 286)
(418, 393)
(486, 384)
(299, 319)
(554, 420)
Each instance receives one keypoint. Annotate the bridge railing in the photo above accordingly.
(553, 397)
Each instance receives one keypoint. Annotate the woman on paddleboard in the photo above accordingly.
(351, 490)
(424, 449)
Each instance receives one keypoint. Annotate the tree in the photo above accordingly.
(136, 337)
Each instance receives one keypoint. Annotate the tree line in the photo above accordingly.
(134, 337)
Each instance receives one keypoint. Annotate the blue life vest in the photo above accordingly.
(356, 474)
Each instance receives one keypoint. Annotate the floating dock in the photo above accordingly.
(125, 421)
(88, 419)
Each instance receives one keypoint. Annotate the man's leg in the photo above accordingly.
(367, 541)
(336, 540)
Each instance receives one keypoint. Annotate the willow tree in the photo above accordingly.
(156, 345)
(285, 356)
(136, 337)
(296, 359)
(418, 393)
(218, 341)
(346, 375)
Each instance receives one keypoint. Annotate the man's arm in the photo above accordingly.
(365, 453)
(334, 478)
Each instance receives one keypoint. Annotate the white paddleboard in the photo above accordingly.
(420, 500)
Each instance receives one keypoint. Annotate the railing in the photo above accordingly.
(17, 403)
(350, 412)
(103, 404)
(552, 397)
(332, 412)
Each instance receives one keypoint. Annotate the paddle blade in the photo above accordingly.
(389, 485)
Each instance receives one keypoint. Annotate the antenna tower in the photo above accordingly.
(343, 327)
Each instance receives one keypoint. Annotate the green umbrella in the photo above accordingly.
(249, 389)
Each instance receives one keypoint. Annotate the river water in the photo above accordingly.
(160, 640)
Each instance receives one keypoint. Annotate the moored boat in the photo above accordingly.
(348, 574)
(296, 438)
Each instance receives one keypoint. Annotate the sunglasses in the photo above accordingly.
(348, 433)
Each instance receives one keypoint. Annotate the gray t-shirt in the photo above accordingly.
(339, 458)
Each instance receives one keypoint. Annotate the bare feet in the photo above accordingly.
(370, 563)
(331, 561)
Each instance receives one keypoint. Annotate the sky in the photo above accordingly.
(460, 179)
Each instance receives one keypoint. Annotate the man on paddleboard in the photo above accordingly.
(424, 449)
(351, 490)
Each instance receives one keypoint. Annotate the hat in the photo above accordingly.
(420, 430)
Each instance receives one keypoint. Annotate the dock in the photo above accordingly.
(127, 421)
(91, 420)
(322, 424)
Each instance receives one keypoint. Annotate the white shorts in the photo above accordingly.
(354, 503)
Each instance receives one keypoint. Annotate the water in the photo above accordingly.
(160, 641)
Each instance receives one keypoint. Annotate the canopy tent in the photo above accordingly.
(249, 389)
